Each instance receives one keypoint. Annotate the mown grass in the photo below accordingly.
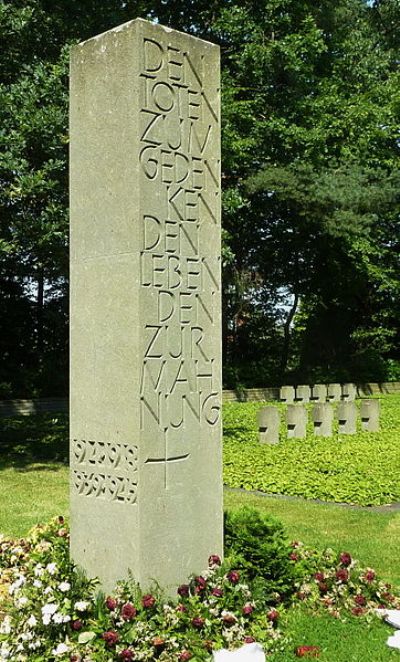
(363, 468)
(33, 471)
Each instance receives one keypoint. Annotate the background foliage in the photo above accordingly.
(310, 106)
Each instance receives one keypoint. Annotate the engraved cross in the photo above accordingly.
(166, 459)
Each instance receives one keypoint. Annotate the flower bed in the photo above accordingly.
(51, 611)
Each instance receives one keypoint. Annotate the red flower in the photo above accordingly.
(369, 576)
(307, 651)
(388, 597)
(127, 655)
(183, 590)
(77, 625)
(75, 657)
(342, 575)
(358, 611)
(200, 584)
(128, 611)
(233, 576)
(198, 622)
(217, 592)
(360, 600)
(110, 637)
(229, 619)
(181, 608)
(319, 576)
(323, 588)
(273, 615)
(158, 642)
(148, 601)
(184, 656)
(111, 603)
(214, 559)
(293, 556)
(345, 559)
(247, 609)
(249, 640)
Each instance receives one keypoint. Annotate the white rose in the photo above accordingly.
(61, 649)
(51, 568)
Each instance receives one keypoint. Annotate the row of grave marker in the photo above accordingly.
(322, 414)
(318, 393)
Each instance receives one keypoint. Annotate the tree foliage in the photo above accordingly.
(310, 138)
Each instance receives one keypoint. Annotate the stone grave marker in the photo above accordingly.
(319, 393)
(334, 392)
(268, 419)
(146, 469)
(296, 421)
(347, 417)
(322, 416)
(369, 413)
(349, 392)
(287, 394)
(303, 394)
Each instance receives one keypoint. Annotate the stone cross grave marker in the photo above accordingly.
(303, 394)
(322, 416)
(268, 419)
(369, 414)
(349, 392)
(334, 392)
(287, 394)
(146, 470)
(296, 421)
(319, 393)
(347, 417)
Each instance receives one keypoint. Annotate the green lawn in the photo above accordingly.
(363, 468)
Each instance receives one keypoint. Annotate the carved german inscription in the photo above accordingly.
(179, 260)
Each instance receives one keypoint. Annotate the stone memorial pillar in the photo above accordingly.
(334, 392)
(296, 421)
(287, 394)
(347, 417)
(349, 392)
(268, 419)
(369, 413)
(319, 393)
(146, 470)
(322, 416)
(303, 394)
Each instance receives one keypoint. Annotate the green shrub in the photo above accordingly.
(256, 542)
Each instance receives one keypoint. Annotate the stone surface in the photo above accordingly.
(287, 394)
(247, 653)
(268, 419)
(303, 394)
(347, 417)
(369, 413)
(334, 392)
(322, 416)
(319, 393)
(296, 421)
(146, 470)
(349, 392)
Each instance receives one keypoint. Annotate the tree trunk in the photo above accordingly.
(287, 336)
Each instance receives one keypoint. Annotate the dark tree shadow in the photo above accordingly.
(38, 441)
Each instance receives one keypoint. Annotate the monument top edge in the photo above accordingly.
(138, 21)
